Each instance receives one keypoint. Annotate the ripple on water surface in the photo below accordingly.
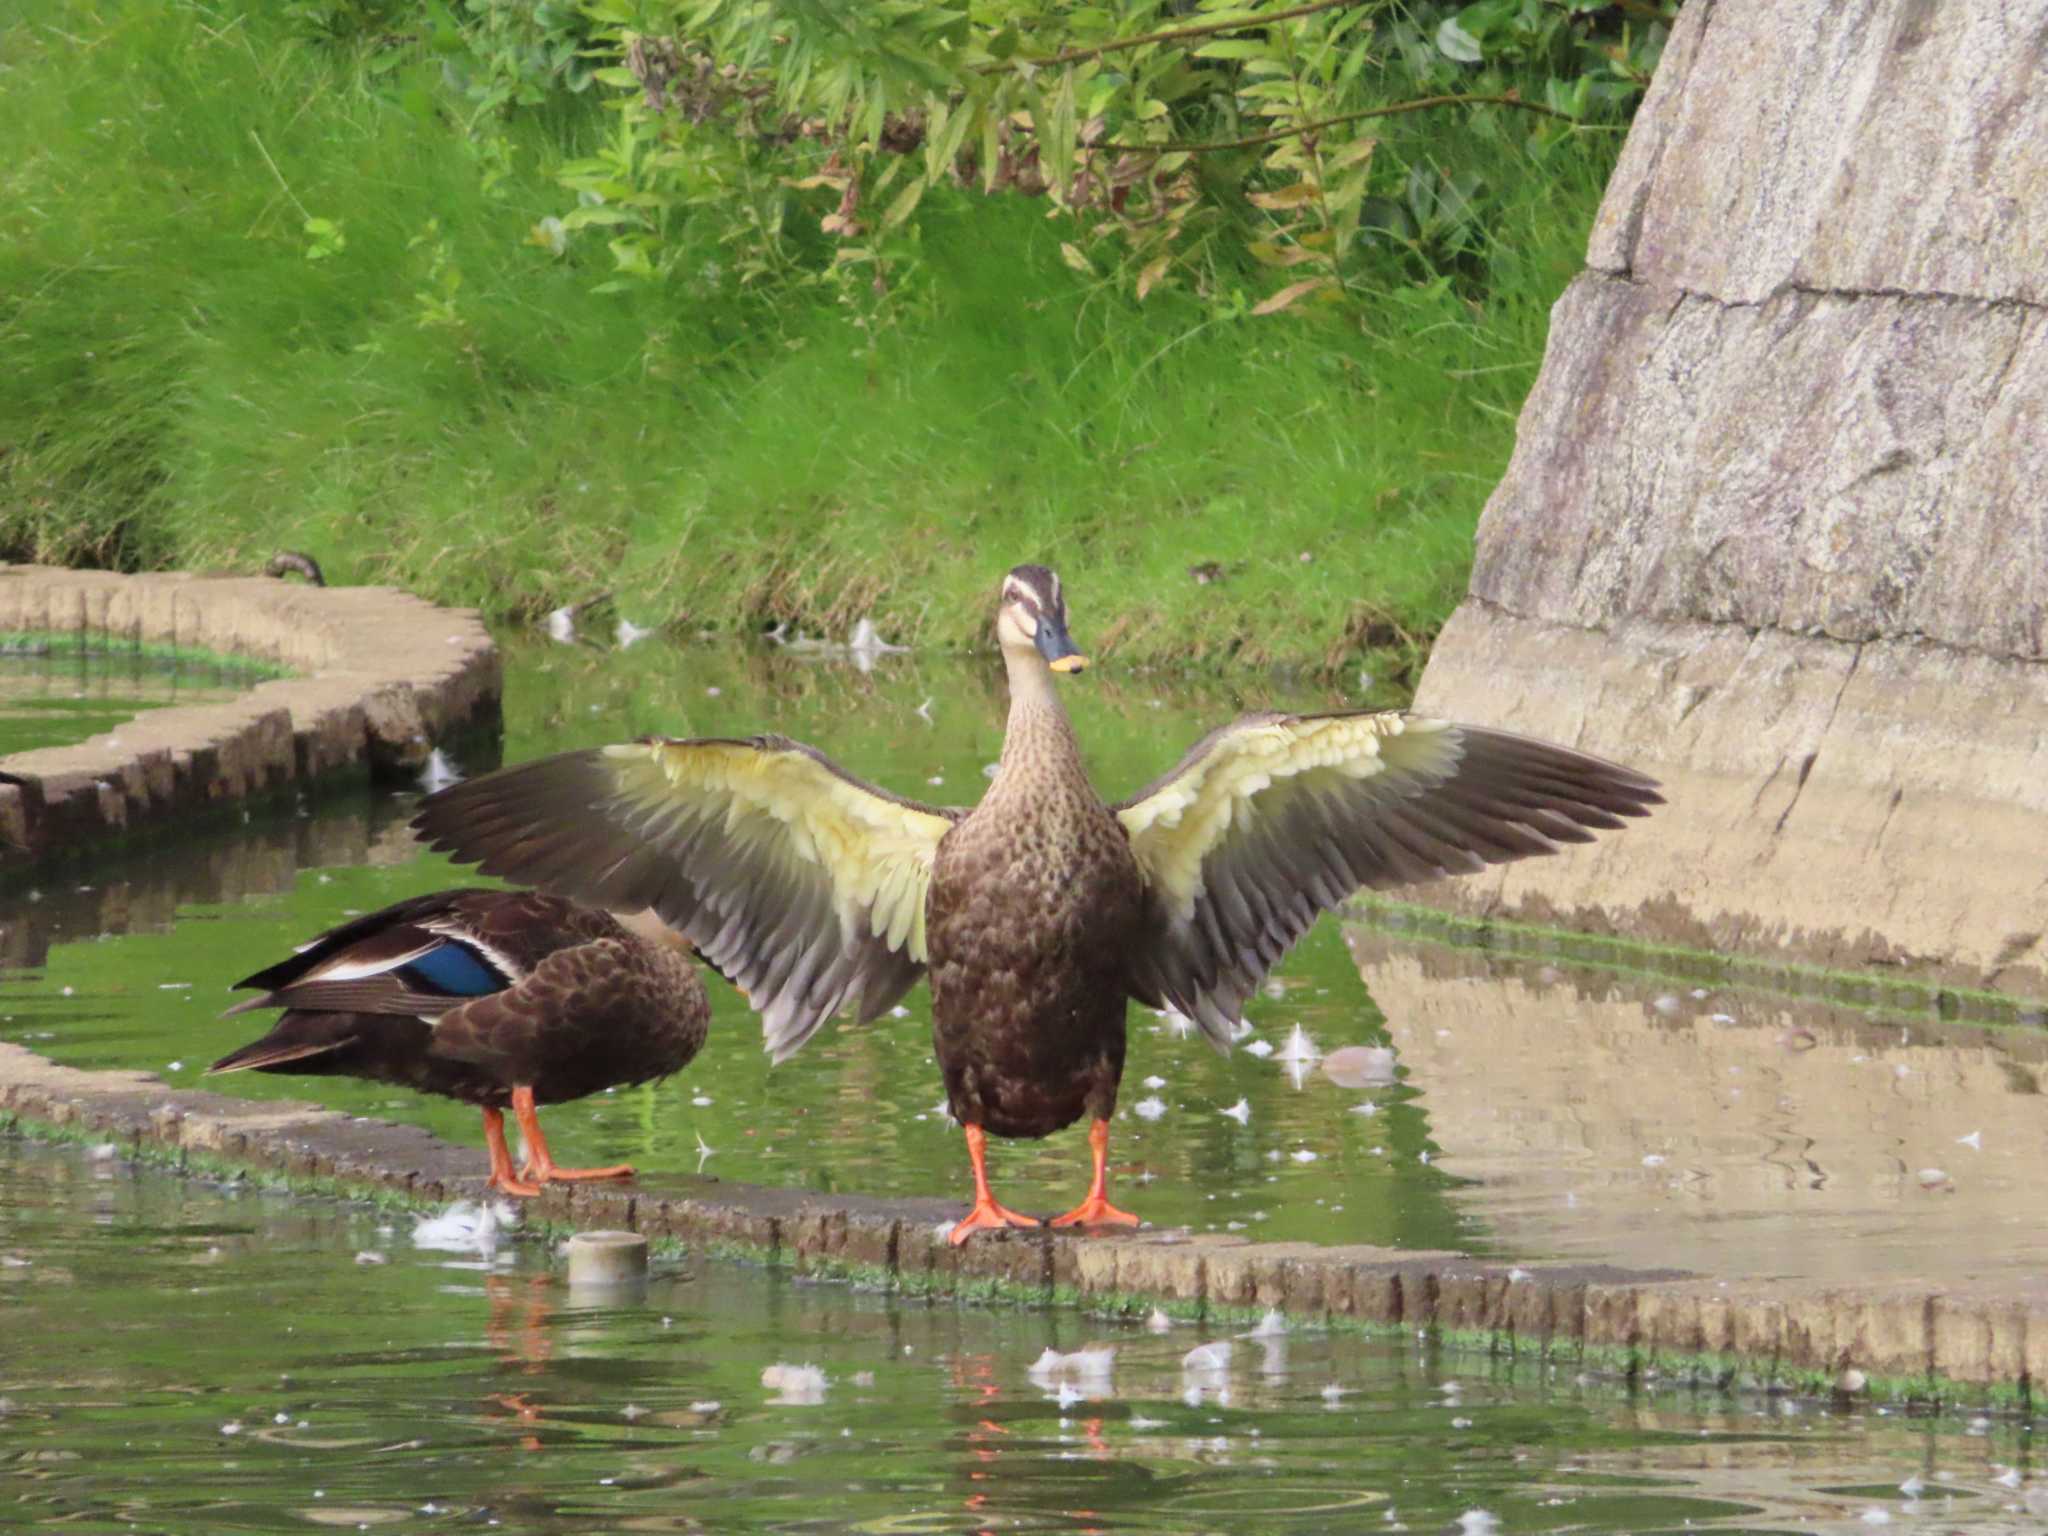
(186, 1358)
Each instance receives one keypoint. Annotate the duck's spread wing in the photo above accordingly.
(1275, 818)
(802, 885)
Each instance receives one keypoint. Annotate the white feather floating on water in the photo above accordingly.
(1205, 1371)
(467, 1226)
(796, 1386)
(1300, 1046)
(1085, 1372)
(441, 771)
(866, 643)
(1360, 1066)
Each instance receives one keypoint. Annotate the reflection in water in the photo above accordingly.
(1633, 1121)
(148, 889)
(282, 1383)
(56, 700)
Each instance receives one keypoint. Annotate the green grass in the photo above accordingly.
(183, 382)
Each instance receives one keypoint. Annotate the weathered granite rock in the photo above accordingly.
(1770, 530)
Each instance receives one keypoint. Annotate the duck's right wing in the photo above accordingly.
(803, 885)
(1274, 819)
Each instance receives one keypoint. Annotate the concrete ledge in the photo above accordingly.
(1979, 1344)
(380, 678)
(1860, 808)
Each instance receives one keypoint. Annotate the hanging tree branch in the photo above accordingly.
(1421, 104)
(1170, 35)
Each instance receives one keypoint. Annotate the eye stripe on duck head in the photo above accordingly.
(1037, 588)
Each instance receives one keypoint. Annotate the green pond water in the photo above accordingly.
(1531, 1110)
(182, 1357)
(55, 700)
(858, 1109)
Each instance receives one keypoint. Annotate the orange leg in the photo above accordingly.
(986, 1212)
(1096, 1209)
(501, 1157)
(540, 1167)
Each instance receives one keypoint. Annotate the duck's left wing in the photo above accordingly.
(801, 884)
(1273, 819)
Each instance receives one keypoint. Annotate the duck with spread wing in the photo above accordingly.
(1041, 911)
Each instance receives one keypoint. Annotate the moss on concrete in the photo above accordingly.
(1865, 990)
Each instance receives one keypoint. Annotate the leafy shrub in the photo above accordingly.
(1175, 142)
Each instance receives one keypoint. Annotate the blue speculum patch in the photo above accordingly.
(456, 970)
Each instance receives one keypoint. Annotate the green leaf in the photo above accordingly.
(1291, 293)
(1454, 42)
(1056, 151)
(904, 206)
(630, 257)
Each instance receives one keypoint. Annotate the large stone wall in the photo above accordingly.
(1773, 528)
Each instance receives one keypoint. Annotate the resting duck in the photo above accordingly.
(1041, 910)
(495, 998)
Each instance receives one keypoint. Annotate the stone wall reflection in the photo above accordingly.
(142, 891)
(1736, 1133)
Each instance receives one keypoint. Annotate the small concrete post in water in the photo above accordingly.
(607, 1259)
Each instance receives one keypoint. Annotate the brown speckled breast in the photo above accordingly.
(1033, 907)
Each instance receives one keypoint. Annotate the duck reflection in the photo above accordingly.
(516, 1325)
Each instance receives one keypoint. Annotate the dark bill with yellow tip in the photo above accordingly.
(1057, 646)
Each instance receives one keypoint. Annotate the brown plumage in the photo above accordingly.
(496, 998)
(1041, 911)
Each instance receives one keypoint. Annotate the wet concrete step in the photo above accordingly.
(1954, 1343)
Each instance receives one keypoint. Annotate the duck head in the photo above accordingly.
(1032, 615)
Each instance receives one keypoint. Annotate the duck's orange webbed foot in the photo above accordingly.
(542, 1173)
(1096, 1211)
(988, 1214)
(540, 1167)
(502, 1176)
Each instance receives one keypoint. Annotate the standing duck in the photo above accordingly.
(1043, 909)
(495, 998)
